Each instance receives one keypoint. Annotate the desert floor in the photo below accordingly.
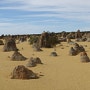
(63, 72)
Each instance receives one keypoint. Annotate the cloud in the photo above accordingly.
(5, 24)
(51, 2)
(35, 16)
(58, 5)
(29, 28)
(64, 9)
(21, 28)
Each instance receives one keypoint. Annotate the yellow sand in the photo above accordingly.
(63, 72)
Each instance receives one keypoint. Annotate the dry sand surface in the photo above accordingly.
(63, 72)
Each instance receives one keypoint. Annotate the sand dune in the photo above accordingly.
(63, 72)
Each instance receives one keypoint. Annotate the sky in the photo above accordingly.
(36, 16)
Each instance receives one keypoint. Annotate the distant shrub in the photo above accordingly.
(33, 39)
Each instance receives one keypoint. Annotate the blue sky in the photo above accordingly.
(36, 16)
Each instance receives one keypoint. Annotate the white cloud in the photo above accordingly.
(65, 5)
(20, 28)
(51, 2)
(74, 10)
(28, 28)
(5, 24)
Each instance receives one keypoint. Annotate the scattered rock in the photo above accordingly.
(10, 45)
(72, 52)
(53, 54)
(84, 57)
(33, 62)
(1, 42)
(21, 72)
(18, 57)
